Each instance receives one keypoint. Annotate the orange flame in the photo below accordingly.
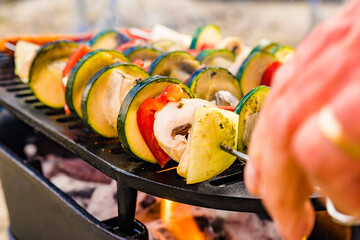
(179, 220)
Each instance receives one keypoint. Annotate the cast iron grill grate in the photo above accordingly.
(226, 191)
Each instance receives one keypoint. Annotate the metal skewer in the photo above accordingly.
(241, 156)
(10, 46)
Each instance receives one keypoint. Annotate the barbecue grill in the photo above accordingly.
(31, 215)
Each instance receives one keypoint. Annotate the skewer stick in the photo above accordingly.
(10, 46)
(241, 156)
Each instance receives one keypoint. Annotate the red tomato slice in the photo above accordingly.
(146, 117)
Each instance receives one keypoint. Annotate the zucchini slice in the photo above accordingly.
(208, 34)
(129, 134)
(216, 57)
(83, 70)
(180, 65)
(206, 82)
(283, 53)
(166, 45)
(252, 70)
(108, 39)
(211, 127)
(104, 94)
(248, 109)
(45, 72)
(144, 53)
(265, 45)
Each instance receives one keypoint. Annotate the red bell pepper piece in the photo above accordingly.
(138, 62)
(269, 73)
(193, 52)
(133, 35)
(129, 44)
(74, 58)
(229, 108)
(146, 117)
(79, 53)
(205, 46)
(41, 39)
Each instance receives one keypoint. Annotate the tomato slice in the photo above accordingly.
(146, 117)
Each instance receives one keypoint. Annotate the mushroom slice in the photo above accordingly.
(233, 44)
(225, 98)
(173, 123)
(116, 89)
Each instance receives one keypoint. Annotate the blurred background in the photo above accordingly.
(286, 22)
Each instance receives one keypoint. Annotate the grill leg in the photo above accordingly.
(126, 204)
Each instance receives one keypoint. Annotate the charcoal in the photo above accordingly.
(147, 201)
(79, 191)
(148, 208)
(79, 169)
(158, 231)
(248, 226)
(102, 204)
(83, 193)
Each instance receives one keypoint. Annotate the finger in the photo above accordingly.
(286, 193)
(273, 174)
(331, 167)
(252, 178)
(345, 106)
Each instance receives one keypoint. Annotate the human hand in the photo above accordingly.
(291, 149)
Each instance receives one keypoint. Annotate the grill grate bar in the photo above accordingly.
(22, 95)
(18, 89)
(54, 112)
(9, 83)
(31, 100)
(41, 107)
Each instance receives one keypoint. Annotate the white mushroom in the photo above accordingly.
(233, 44)
(234, 67)
(116, 89)
(173, 123)
(160, 32)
